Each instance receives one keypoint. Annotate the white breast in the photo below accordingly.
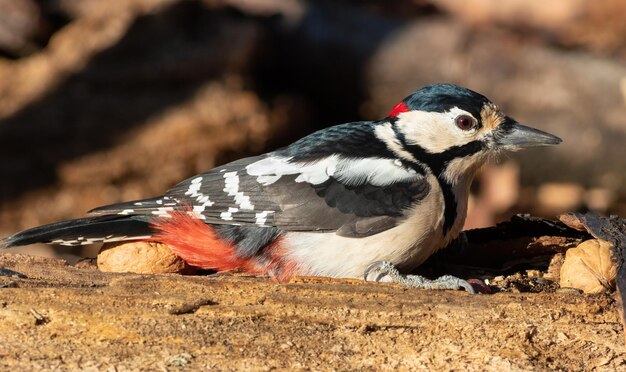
(406, 245)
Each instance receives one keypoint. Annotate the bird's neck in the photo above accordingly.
(455, 181)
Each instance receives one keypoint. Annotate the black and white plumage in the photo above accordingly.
(331, 204)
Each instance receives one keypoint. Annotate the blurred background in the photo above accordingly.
(104, 101)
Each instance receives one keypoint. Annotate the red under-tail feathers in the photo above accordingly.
(199, 245)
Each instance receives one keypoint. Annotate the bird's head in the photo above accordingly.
(444, 124)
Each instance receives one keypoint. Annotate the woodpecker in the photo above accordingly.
(367, 199)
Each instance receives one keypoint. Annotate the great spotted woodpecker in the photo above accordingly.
(369, 198)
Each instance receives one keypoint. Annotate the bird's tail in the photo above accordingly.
(84, 231)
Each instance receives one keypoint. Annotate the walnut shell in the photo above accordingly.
(141, 258)
(589, 267)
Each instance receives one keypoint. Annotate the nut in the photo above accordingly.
(589, 267)
(141, 258)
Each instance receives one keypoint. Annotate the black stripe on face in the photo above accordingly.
(438, 163)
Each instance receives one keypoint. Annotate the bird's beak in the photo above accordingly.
(511, 135)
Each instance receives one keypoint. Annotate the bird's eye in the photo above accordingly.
(465, 122)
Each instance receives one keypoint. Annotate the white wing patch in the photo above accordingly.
(81, 240)
(261, 218)
(231, 187)
(375, 171)
(228, 216)
(163, 212)
(194, 192)
(271, 169)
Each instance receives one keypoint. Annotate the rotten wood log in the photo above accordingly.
(523, 240)
(77, 318)
(611, 229)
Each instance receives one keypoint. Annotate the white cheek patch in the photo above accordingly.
(435, 132)
(375, 171)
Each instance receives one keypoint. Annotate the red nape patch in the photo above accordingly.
(199, 245)
(398, 109)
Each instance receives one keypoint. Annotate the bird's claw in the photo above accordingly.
(384, 271)
(452, 282)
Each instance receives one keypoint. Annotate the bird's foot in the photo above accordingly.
(384, 271)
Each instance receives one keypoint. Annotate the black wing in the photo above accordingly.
(354, 197)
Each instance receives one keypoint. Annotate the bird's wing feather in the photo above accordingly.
(354, 197)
